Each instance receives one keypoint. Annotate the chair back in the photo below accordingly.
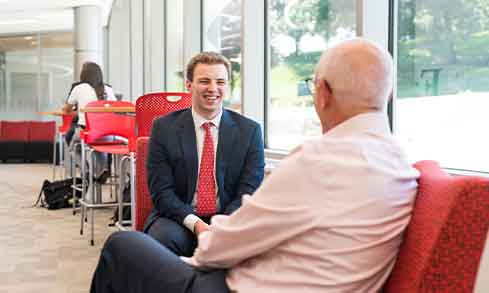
(98, 125)
(15, 131)
(153, 105)
(143, 204)
(445, 238)
(66, 125)
(42, 131)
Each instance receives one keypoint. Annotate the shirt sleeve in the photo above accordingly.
(110, 93)
(274, 214)
(189, 222)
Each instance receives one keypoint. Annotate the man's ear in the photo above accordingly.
(188, 85)
(324, 94)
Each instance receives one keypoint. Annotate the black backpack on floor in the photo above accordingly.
(57, 194)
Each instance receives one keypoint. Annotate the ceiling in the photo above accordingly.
(25, 16)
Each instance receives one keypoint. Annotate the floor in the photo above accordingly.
(42, 250)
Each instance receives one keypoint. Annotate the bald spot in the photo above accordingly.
(359, 74)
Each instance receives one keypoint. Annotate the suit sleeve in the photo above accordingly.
(161, 180)
(252, 172)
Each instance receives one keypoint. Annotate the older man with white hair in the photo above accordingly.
(329, 219)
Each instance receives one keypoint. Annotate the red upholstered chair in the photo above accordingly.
(15, 136)
(142, 203)
(148, 108)
(445, 238)
(42, 130)
(41, 136)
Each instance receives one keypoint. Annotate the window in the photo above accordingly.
(443, 81)
(36, 72)
(222, 33)
(299, 32)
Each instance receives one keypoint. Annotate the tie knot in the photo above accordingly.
(207, 125)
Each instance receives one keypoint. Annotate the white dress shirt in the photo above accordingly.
(191, 219)
(83, 94)
(329, 219)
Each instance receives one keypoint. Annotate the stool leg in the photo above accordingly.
(71, 156)
(92, 211)
(61, 155)
(133, 190)
(54, 158)
(84, 194)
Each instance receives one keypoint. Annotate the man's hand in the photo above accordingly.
(200, 226)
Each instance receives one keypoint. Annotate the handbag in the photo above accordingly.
(57, 194)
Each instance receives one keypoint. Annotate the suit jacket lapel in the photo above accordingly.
(227, 134)
(189, 146)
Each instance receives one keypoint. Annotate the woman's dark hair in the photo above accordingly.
(92, 74)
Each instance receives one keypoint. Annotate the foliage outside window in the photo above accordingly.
(299, 32)
(443, 81)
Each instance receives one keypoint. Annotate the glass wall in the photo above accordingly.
(222, 33)
(299, 32)
(443, 81)
(36, 72)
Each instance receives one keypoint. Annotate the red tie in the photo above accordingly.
(206, 187)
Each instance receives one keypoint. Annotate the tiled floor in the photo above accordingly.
(42, 250)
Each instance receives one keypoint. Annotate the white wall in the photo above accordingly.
(118, 70)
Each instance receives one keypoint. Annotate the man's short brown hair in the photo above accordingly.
(209, 58)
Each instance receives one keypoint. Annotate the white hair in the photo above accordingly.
(360, 74)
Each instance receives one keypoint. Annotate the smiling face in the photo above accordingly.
(208, 88)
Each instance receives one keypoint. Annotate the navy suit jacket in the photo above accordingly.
(172, 163)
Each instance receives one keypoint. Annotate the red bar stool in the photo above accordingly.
(99, 126)
(62, 130)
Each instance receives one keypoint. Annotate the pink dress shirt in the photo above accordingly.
(329, 219)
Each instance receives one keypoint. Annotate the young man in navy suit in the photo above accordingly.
(201, 160)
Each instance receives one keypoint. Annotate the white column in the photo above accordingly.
(192, 29)
(254, 79)
(88, 37)
(373, 21)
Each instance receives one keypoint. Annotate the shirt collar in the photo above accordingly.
(199, 120)
(375, 122)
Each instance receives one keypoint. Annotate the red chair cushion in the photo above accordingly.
(42, 130)
(112, 149)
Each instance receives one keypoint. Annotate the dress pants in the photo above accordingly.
(177, 238)
(133, 262)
